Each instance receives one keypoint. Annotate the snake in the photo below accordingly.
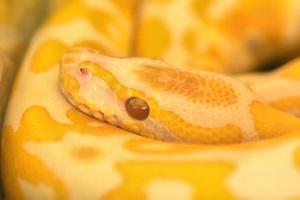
(152, 99)
(157, 99)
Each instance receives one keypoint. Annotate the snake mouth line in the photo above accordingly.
(114, 120)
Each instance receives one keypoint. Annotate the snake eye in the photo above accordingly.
(137, 108)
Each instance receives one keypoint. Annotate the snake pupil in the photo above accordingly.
(137, 108)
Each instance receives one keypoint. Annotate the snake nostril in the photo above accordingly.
(84, 71)
(137, 108)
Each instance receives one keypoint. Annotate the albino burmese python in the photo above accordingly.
(172, 104)
(156, 72)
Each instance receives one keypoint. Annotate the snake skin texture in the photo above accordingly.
(52, 150)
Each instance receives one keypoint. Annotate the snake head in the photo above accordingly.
(147, 97)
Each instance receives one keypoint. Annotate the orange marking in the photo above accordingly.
(290, 104)
(291, 70)
(197, 88)
(297, 157)
(229, 133)
(200, 8)
(153, 38)
(49, 53)
(208, 179)
(280, 124)
(85, 153)
(125, 7)
(102, 19)
(146, 146)
(252, 15)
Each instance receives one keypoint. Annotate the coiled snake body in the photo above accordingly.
(179, 122)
